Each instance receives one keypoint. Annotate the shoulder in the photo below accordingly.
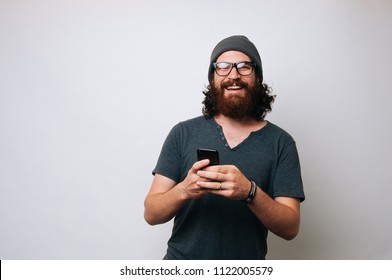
(275, 129)
(200, 120)
(193, 123)
(189, 126)
(278, 133)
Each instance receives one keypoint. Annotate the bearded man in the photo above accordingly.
(225, 211)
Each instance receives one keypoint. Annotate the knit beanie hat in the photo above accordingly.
(236, 43)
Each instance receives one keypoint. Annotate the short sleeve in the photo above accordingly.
(169, 160)
(288, 180)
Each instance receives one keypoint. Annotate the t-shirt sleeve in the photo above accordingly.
(169, 159)
(288, 180)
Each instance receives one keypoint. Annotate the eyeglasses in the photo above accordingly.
(244, 68)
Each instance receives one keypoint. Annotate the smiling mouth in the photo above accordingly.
(234, 85)
(234, 88)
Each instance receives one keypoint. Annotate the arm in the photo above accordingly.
(280, 215)
(166, 198)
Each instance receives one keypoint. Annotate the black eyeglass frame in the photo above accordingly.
(233, 64)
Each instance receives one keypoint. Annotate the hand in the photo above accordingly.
(189, 186)
(225, 180)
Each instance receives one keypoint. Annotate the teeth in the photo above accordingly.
(234, 87)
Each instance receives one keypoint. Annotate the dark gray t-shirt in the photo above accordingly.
(214, 227)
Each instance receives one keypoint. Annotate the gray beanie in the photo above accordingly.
(236, 43)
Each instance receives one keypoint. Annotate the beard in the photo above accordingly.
(236, 106)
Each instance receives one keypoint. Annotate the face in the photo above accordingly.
(231, 84)
(235, 94)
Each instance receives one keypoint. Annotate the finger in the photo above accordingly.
(212, 175)
(210, 185)
(224, 169)
(200, 165)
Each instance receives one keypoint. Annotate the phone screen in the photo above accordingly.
(212, 155)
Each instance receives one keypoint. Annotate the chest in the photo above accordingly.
(236, 135)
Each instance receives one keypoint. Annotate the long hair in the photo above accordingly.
(264, 104)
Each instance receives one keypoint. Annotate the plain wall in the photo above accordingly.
(90, 89)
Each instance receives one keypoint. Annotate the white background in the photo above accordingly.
(90, 89)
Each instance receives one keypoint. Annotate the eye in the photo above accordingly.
(244, 65)
(223, 65)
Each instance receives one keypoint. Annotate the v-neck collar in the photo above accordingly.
(222, 136)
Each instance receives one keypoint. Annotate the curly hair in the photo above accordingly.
(264, 103)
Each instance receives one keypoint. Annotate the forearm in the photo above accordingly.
(160, 208)
(281, 219)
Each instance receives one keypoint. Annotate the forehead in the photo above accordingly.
(233, 56)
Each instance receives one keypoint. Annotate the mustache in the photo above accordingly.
(230, 83)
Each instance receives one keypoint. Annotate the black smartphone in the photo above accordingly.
(212, 155)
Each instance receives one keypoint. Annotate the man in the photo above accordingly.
(225, 211)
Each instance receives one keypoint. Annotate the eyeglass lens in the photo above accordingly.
(224, 68)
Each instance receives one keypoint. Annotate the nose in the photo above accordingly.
(234, 75)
